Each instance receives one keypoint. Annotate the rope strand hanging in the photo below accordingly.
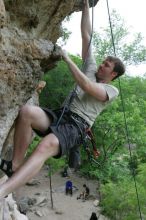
(123, 107)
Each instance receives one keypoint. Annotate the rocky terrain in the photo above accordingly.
(34, 198)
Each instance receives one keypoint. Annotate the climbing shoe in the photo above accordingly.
(6, 167)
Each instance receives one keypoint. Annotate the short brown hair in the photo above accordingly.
(119, 67)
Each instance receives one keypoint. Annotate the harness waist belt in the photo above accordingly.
(79, 118)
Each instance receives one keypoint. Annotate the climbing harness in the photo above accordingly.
(125, 121)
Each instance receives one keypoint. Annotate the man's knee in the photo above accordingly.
(25, 111)
(49, 145)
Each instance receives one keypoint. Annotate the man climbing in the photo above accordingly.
(93, 94)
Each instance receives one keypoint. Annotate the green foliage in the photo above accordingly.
(65, 33)
(123, 123)
(142, 174)
(55, 164)
(116, 168)
(33, 145)
(120, 200)
(132, 53)
(58, 85)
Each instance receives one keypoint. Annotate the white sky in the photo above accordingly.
(133, 12)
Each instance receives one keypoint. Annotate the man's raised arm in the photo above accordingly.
(85, 29)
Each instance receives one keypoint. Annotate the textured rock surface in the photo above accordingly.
(8, 207)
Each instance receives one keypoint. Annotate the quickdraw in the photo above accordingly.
(94, 154)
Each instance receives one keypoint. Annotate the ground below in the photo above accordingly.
(65, 207)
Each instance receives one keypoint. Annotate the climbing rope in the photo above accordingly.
(123, 107)
(50, 181)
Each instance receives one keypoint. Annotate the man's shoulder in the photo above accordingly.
(111, 91)
(110, 87)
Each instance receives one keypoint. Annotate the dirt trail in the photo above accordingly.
(66, 207)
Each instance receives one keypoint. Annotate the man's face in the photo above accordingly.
(105, 70)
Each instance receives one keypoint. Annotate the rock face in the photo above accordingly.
(8, 207)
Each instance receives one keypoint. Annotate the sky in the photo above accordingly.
(133, 13)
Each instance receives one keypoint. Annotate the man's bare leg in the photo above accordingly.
(29, 117)
(48, 147)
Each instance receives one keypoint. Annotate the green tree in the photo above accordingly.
(59, 83)
(120, 200)
(65, 33)
(133, 52)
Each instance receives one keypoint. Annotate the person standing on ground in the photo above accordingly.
(68, 187)
(85, 193)
(93, 216)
